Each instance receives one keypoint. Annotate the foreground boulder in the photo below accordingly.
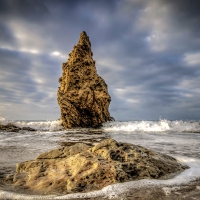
(83, 95)
(81, 168)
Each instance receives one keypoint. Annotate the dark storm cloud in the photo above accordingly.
(148, 52)
(186, 12)
(25, 82)
(33, 10)
(6, 35)
(14, 69)
(185, 17)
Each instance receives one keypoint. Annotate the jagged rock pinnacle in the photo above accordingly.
(82, 96)
(84, 39)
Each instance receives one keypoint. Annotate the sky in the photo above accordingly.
(147, 51)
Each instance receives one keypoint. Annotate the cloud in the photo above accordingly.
(147, 52)
(192, 59)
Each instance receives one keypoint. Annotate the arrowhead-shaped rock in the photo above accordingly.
(83, 95)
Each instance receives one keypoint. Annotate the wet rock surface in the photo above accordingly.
(191, 191)
(12, 128)
(83, 95)
(21, 147)
(82, 168)
(90, 137)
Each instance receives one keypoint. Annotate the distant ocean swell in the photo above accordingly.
(161, 125)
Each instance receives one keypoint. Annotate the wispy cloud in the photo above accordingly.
(147, 52)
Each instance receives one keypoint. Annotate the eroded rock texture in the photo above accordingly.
(81, 168)
(82, 96)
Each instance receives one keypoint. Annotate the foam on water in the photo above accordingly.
(162, 125)
(3, 120)
(37, 125)
(152, 137)
(42, 125)
(112, 191)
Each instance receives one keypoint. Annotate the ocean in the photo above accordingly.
(180, 139)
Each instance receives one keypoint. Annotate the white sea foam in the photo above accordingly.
(113, 191)
(3, 120)
(166, 143)
(153, 126)
(38, 125)
(161, 125)
(42, 125)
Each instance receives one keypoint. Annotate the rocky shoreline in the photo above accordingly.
(92, 137)
(79, 167)
(12, 128)
(190, 191)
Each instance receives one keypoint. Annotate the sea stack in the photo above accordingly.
(83, 95)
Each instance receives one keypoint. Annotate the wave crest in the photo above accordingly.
(162, 125)
(48, 125)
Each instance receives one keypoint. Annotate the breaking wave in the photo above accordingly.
(37, 125)
(162, 125)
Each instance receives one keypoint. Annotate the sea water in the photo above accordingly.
(180, 139)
